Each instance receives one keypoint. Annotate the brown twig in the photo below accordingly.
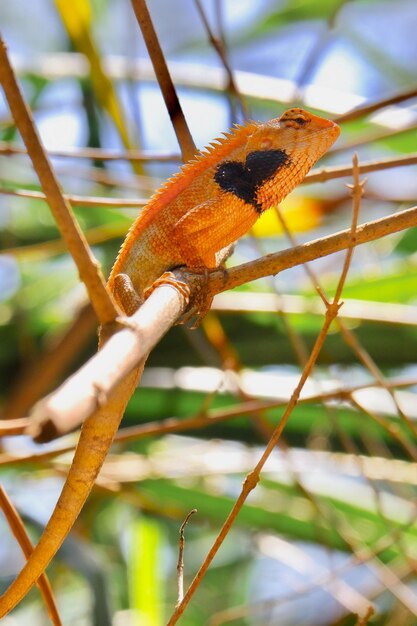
(366, 138)
(362, 621)
(253, 477)
(18, 529)
(77, 398)
(169, 93)
(370, 107)
(353, 343)
(86, 201)
(218, 44)
(347, 334)
(339, 171)
(180, 562)
(274, 263)
(87, 265)
(101, 154)
(363, 310)
(390, 427)
(357, 192)
(214, 416)
(13, 427)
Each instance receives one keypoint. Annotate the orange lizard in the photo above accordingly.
(215, 199)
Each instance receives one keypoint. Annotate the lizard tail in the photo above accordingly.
(95, 440)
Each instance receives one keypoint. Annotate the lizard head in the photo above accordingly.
(284, 149)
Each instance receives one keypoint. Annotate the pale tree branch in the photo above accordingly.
(273, 263)
(92, 385)
(77, 398)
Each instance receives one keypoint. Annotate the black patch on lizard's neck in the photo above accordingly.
(244, 179)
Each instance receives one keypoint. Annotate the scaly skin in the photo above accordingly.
(213, 201)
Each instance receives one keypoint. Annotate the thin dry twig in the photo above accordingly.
(373, 137)
(364, 356)
(180, 562)
(273, 263)
(390, 427)
(87, 265)
(100, 154)
(18, 529)
(85, 201)
(253, 477)
(169, 93)
(351, 340)
(347, 334)
(13, 427)
(218, 44)
(364, 310)
(77, 398)
(362, 621)
(365, 167)
(357, 192)
(213, 416)
(357, 189)
(370, 107)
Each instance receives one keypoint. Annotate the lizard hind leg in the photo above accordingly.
(126, 295)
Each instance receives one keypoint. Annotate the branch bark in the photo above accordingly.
(316, 249)
(93, 384)
(163, 76)
(89, 387)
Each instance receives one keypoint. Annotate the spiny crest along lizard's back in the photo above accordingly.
(217, 197)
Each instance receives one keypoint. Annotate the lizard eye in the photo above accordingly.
(295, 119)
(301, 121)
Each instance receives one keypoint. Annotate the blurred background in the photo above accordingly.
(331, 527)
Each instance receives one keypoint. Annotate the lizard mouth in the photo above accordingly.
(326, 134)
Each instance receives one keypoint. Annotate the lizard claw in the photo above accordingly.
(169, 278)
(202, 299)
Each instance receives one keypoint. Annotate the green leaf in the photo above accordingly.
(144, 572)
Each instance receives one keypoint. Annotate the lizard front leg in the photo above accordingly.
(208, 228)
(204, 238)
